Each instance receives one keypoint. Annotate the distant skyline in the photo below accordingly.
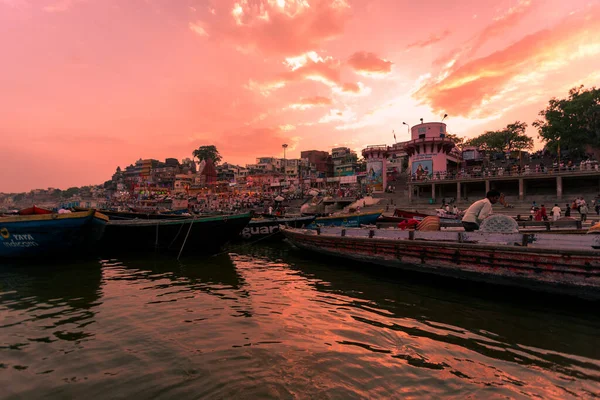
(89, 85)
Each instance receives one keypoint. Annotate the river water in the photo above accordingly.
(267, 321)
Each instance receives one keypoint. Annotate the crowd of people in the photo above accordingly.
(578, 205)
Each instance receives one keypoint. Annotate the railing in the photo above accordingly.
(442, 175)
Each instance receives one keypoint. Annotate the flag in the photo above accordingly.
(394, 134)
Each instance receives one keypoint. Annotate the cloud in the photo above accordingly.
(197, 28)
(369, 64)
(310, 67)
(335, 115)
(463, 90)
(60, 6)
(434, 38)
(352, 89)
(310, 102)
(283, 27)
(512, 17)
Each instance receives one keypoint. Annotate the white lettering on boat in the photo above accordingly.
(248, 231)
(20, 240)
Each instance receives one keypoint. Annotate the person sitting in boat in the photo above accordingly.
(479, 211)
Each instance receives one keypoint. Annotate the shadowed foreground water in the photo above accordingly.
(265, 322)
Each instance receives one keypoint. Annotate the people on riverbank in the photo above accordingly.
(479, 211)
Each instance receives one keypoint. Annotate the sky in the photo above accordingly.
(89, 85)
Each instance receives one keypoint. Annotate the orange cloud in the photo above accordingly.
(311, 67)
(369, 63)
(310, 102)
(287, 27)
(462, 91)
(434, 38)
(511, 18)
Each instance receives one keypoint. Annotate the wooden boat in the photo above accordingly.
(201, 235)
(262, 228)
(42, 233)
(346, 220)
(403, 215)
(554, 263)
(129, 215)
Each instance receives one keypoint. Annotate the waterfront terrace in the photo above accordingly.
(464, 185)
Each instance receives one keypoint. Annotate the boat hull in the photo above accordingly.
(50, 235)
(204, 235)
(347, 221)
(269, 228)
(575, 272)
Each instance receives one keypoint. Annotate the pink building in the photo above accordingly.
(431, 154)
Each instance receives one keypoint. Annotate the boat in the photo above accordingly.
(346, 220)
(262, 228)
(403, 215)
(129, 215)
(548, 262)
(37, 232)
(196, 234)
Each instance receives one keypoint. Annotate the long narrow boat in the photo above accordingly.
(262, 228)
(129, 215)
(555, 263)
(42, 233)
(200, 235)
(346, 220)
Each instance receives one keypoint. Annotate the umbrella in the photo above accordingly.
(279, 198)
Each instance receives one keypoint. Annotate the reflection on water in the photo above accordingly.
(266, 322)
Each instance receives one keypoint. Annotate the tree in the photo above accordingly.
(573, 123)
(512, 138)
(458, 141)
(206, 152)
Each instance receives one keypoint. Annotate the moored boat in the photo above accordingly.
(402, 215)
(200, 235)
(129, 215)
(554, 263)
(262, 228)
(41, 233)
(347, 220)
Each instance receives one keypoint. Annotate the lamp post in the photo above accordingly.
(407, 128)
(284, 162)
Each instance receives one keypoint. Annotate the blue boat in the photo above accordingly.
(41, 233)
(347, 220)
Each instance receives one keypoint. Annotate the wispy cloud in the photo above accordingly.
(369, 64)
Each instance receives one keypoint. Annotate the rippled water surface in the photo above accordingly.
(267, 322)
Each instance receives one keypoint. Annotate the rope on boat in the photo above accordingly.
(186, 237)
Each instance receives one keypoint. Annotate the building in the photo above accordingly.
(345, 161)
(323, 164)
(430, 152)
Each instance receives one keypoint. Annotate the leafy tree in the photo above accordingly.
(72, 191)
(511, 138)
(458, 141)
(573, 123)
(206, 152)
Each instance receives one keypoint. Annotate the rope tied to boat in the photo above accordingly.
(186, 237)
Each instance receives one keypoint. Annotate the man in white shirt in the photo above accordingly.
(556, 212)
(479, 211)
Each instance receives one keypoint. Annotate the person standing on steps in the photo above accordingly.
(583, 210)
(479, 211)
(556, 212)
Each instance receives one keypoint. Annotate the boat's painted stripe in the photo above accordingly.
(347, 216)
(47, 217)
(143, 222)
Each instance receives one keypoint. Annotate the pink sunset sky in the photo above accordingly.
(89, 85)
